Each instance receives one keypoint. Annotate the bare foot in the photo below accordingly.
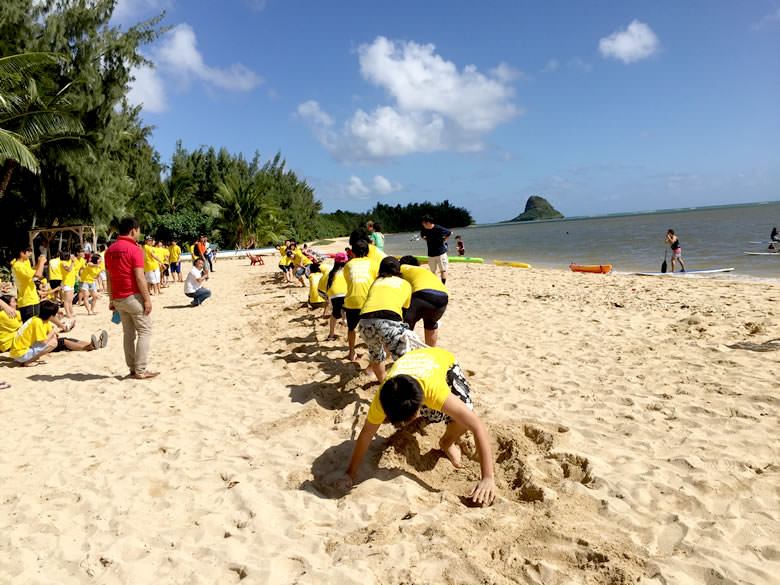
(353, 357)
(454, 455)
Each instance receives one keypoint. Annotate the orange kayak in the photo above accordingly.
(595, 268)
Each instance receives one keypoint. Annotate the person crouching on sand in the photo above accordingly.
(427, 383)
(381, 318)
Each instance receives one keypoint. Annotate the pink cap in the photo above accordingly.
(340, 257)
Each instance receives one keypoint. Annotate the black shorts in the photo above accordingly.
(338, 304)
(29, 311)
(427, 305)
(353, 318)
(61, 343)
(55, 283)
(284, 268)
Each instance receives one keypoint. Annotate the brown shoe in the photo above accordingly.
(145, 375)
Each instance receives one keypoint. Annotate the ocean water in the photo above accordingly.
(711, 237)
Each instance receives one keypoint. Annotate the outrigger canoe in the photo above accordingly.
(455, 259)
(508, 263)
(594, 268)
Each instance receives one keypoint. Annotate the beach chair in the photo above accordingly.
(254, 259)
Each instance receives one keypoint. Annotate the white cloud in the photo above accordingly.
(177, 54)
(552, 65)
(147, 90)
(178, 50)
(436, 106)
(357, 189)
(635, 43)
(127, 10)
(770, 19)
(580, 64)
(384, 186)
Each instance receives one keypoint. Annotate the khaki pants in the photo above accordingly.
(135, 323)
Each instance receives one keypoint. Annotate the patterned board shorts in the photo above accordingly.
(394, 335)
(459, 387)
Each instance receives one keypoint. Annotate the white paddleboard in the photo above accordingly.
(762, 253)
(687, 272)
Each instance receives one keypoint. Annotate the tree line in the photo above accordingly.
(73, 150)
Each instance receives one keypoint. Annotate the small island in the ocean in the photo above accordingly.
(538, 208)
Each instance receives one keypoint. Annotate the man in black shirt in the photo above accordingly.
(436, 238)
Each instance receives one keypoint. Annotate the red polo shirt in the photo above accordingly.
(121, 258)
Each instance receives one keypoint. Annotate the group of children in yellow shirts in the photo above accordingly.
(383, 298)
(161, 263)
(27, 320)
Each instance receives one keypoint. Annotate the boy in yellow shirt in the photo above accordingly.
(36, 337)
(360, 273)
(175, 253)
(428, 383)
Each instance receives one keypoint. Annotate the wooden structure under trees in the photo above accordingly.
(50, 233)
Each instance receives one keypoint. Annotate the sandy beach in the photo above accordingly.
(634, 423)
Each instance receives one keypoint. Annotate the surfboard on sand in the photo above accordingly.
(686, 273)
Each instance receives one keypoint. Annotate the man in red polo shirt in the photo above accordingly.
(129, 296)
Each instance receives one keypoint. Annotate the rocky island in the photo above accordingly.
(538, 208)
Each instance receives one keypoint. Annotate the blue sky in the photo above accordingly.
(599, 107)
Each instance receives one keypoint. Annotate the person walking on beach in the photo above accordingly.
(674, 242)
(427, 383)
(435, 237)
(461, 247)
(129, 295)
(193, 286)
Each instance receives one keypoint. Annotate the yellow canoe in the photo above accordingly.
(508, 263)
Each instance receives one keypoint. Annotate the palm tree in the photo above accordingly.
(28, 118)
(244, 211)
(177, 189)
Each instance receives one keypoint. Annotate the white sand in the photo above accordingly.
(634, 422)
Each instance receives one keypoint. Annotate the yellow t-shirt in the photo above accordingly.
(314, 293)
(90, 272)
(164, 254)
(339, 286)
(284, 261)
(375, 254)
(389, 293)
(26, 293)
(54, 269)
(421, 278)
(78, 264)
(8, 329)
(175, 252)
(360, 274)
(31, 331)
(429, 366)
(150, 264)
(69, 272)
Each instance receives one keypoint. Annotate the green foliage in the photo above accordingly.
(183, 226)
(394, 219)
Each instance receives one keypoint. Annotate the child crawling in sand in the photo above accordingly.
(428, 383)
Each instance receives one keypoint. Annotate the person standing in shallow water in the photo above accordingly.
(674, 242)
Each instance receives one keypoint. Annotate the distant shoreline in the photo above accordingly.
(626, 214)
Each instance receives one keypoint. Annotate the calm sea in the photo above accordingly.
(711, 237)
